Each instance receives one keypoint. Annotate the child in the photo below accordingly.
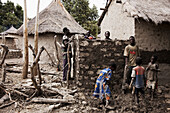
(107, 35)
(138, 78)
(152, 75)
(101, 88)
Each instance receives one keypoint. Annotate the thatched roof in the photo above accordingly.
(11, 30)
(157, 11)
(53, 19)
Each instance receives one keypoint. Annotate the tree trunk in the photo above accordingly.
(32, 73)
(39, 74)
(36, 37)
(25, 66)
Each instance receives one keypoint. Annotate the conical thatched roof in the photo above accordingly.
(53, 19)
(11, 30)
(157, 11)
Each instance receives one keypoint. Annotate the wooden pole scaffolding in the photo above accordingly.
(25, 66)
(36, 36)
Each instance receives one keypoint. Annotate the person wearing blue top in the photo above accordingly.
(102, 90)
(138, 78)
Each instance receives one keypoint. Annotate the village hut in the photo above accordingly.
(9, 38)
(52, 20)
(147, 20)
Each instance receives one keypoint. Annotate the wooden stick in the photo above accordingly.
(32, 73)
(31, 96)
(15, 71)
(57, 52)
(49, 57)
(68, 61)
(33, 53)
(4, 98)
(20, 93)
(3, 72)
(39, 74)
(38, 67)
(6, 105)
(51, 107)
(5, 54)
(50, 100)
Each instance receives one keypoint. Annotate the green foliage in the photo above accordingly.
(83, 14)
(10, 15)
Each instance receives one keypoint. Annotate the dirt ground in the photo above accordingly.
(84, 101)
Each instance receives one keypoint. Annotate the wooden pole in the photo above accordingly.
(68, 61)
(6, 50)
(57, 53)
(25, 66)
(32, 74)
(3, 72)
(3, 43)
(2, 64)
(49, 56)
(36, 30)
(39, 72)
(36, 36)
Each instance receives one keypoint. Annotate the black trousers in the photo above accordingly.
(137, 90)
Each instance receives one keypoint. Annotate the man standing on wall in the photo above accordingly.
(131, 52)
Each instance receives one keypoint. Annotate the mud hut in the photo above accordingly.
(10, 38)
(52, 20)
(147, 20)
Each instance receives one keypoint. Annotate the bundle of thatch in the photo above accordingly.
(154, 10)
(53, 19)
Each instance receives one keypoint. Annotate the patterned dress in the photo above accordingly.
(101, 88)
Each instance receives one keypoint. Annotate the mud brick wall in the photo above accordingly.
(95, 55)
(14, 54)
(91, 56)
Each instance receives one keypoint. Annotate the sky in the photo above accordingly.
(32, 5)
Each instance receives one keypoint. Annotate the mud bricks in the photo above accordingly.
(14, 54)
(95, 55)
(91, 56)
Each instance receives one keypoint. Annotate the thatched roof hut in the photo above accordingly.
(11, 30)
(157, 11)
(10, 36)
(53, 19)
